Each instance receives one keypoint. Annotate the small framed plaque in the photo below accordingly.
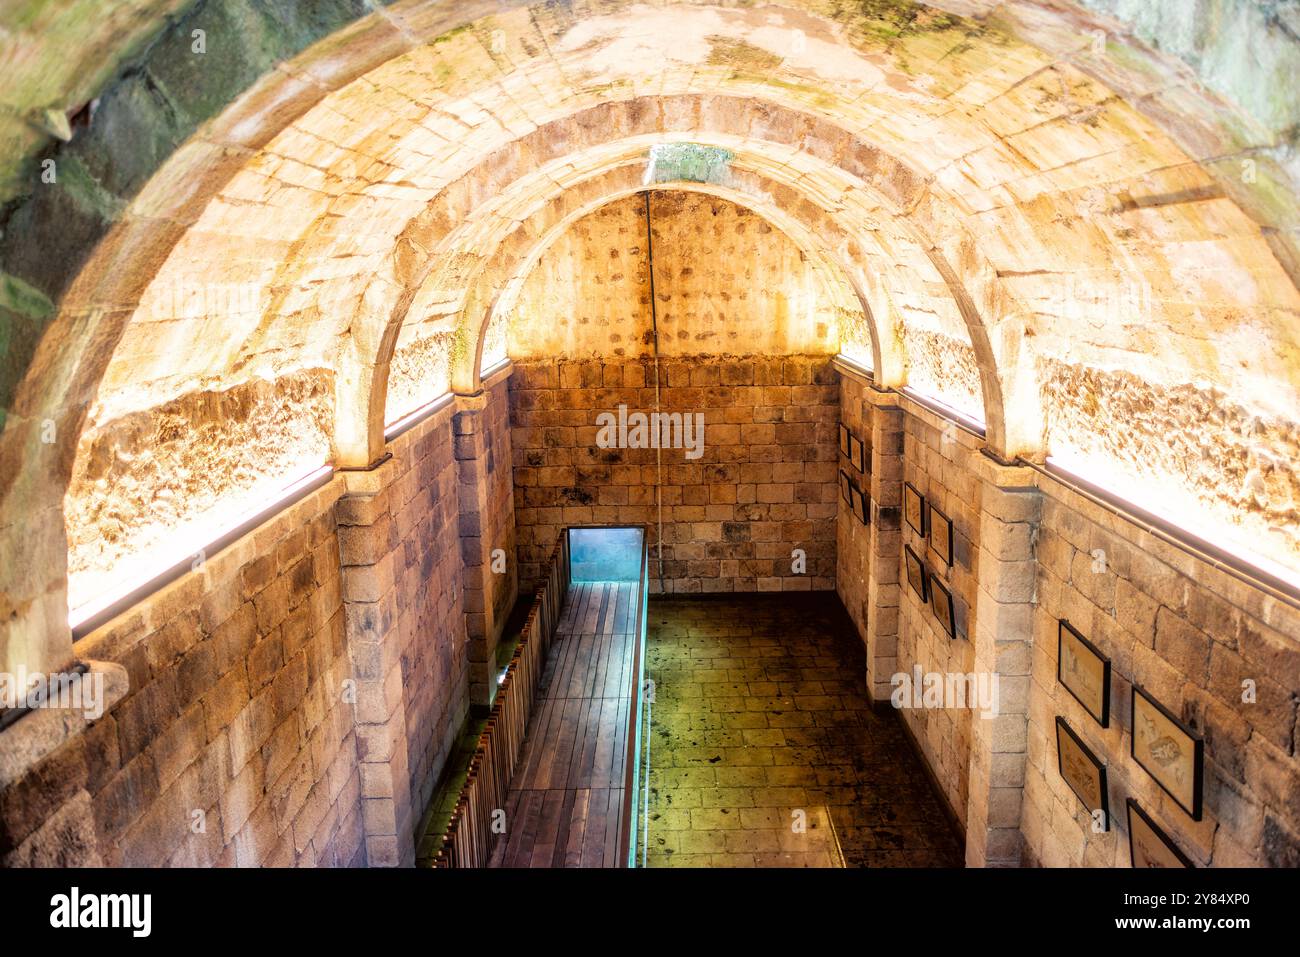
(1082, 771)
(941, 535)
(860, 505)
(916, 576)
(1169, 751)
(941, 602)
(1083, 671)
(1148, 845)
(855, 452)
(914, 508)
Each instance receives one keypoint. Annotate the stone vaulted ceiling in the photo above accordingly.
(240, 238)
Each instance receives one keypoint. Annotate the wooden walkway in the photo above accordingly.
(565, 807)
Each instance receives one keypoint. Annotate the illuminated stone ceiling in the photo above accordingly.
(253, 257)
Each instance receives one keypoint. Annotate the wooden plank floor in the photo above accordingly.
(565, 807)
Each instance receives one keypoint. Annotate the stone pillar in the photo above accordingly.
(34, 630)
(885, 538)
(1010, 512)
(367, 551)
(474, 499)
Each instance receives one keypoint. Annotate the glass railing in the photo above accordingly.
(638, 753)
(619, 554)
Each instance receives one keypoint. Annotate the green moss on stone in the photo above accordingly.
(453, 33)
(689, 162)
(23, 298)
(889, 20)
(86, 190)
(807, 93)
(727, 51)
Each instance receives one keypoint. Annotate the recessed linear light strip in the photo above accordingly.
(404, 424)
(1178, 530)
(101, 609)
(416, 416)
(178, 558)
(944, 410)
(929, 402)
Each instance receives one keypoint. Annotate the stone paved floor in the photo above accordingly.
(763, 750)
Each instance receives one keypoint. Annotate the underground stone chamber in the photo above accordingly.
(957, 331)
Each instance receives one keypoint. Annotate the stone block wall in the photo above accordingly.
(293, 699)
(852, 538)
(400, 550)
(765, 485)
(1193, 636)
(233, 744)
(867, 576)
(936, 461)
(481, 427)
(1219, 651)
(503, 587)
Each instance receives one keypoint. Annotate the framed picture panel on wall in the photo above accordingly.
(941, 602)
(860, 505)
(1083, 671)
(1169, 751)
(916, 576)
(1148, 845)
(1082, 771)
(863, 462)
(941, 535)
(914, 508)
(846, 487)
(845, 436)
(855, 452)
